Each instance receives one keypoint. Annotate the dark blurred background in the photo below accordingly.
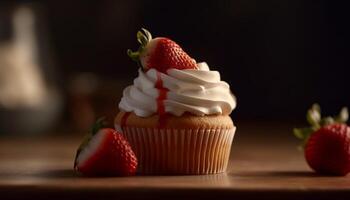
(278, 56)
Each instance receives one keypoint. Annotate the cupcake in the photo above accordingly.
(175, 115)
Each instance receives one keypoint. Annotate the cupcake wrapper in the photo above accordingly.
(180, 151)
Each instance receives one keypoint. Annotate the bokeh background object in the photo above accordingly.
(64, 63)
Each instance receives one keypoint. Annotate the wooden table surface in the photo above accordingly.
(265, 164)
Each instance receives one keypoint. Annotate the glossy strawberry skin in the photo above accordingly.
(327, 150)
(167, 54)
(113, 157)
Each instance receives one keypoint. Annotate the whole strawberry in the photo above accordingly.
(105, 153)
(160, 53)
(326, 142)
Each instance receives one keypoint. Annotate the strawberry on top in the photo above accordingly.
(160, 53)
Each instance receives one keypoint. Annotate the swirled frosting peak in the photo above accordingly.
(196, 91)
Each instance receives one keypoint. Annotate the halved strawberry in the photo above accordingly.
(105, 153)
(160, 53)
(326, 142)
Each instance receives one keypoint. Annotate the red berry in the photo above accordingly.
(161, 54)
(327, 142)
(106, 153)
(327, 150)
(167, 54)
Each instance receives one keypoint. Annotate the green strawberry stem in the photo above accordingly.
(315, 120)
(143, 37)
(100, 123)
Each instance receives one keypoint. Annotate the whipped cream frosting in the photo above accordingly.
(197, 91)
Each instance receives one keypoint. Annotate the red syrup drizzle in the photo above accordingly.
(124, 119)
(160, 100)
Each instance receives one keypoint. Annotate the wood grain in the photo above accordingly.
(264, 164)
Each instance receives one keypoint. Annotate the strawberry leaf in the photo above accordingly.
(313, 115)
(100, 123)
(135, 56)
(141, 38)
(303, 133)
(298, 133)
(147, 33)
(327, 121)
(343, 115)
